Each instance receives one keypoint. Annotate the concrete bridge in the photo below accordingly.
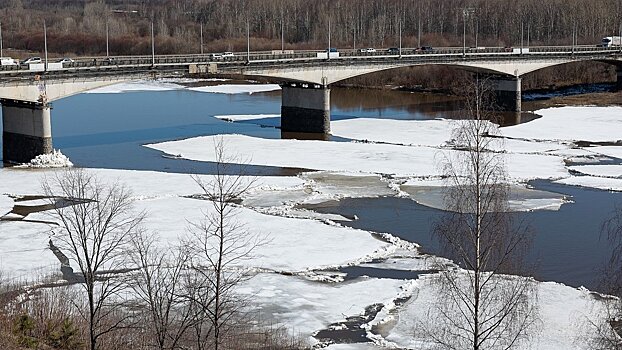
(26, 91)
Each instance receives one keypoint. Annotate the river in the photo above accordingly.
(108, 131)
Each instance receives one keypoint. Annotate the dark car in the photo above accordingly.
(393, 51)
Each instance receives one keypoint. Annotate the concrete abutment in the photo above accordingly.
(305, 108)
(27, 130)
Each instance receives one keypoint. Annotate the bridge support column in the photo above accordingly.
(508, 94)
(305, 108)
(27, 130)
(619, 81)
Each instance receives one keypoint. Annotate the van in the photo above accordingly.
(7, 61)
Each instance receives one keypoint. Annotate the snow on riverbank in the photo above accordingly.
(561, 324)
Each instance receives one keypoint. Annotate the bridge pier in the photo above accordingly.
(27, 130)
(619, 81)
(507, 93)
(305, 108)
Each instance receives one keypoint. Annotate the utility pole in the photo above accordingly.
(354, 39)
(1, 52)
(152, 46)
(107, 38)
(528, 34)
(201, 38)
(45, 44)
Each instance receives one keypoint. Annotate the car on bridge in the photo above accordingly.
(66, 60)
(32, 60)
(367, 50)
(393, 51)
(227, 54)
(424, 49)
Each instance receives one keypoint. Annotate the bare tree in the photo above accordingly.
(96, 222)
(480, 306)
(160, 287)
(220, 243)
(607, 328)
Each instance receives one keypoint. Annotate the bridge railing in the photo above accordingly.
(105, 63)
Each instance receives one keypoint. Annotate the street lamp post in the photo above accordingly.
(1, 52)
(45, 44)
(202, 38)
(400, 29)
(248, 41)
(328, 51)
(107, 45)
(152, 46)
(466, 12)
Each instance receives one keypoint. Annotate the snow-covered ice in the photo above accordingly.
(6, 204)
(352, 156)
(237, 88)
(306, 307)
(142, 85)
(289, 244)
(24, 252)
(571, 123)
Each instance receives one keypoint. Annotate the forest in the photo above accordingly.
(79, 28)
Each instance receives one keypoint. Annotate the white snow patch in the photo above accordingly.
(6, 204)
(560, 308)
(306, 307)
(24, 252)
(245, 117)
(571, 123)
(289, 244)
(352, 156)
(143, 85)
(237, 89)
(607, 170)
(602, 183)
(609, 151)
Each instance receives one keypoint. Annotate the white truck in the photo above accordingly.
(610, 41)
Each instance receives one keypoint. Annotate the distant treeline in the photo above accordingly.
(78, 27)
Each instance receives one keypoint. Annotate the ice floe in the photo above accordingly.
(237, 88)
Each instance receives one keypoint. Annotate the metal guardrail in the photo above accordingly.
(269, 58)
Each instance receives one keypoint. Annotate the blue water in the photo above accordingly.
(567, 246)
